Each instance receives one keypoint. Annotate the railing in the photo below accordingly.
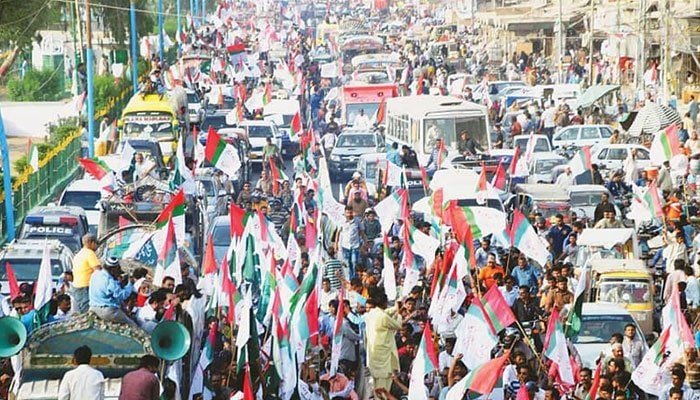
(56, 169)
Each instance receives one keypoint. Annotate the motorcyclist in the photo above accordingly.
(617, 187)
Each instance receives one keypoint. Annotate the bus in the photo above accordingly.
(153, 117)
(364, 96)
(416, 121)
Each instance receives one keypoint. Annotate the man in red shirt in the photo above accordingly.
(142, 384)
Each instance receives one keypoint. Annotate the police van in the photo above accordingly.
(67, 224)
(24, 257)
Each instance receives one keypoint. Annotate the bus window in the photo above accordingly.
(448, 129)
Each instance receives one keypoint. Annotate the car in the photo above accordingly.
(350, 145)
(215, 119)
(194, 106)
(67, 224)
(258, 132)
(495, 88)
(220, 234)
(541, 166)
(281, 112)
(86, 194)
(613, 156)
(585, 198)
(582, 135)
(599, 322)
(541, 144)
(25, 255)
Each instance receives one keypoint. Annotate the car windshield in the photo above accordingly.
(192, 98)
(216, 121)
(355, 141)
(541, 145)
(625, 291)
(28, 269)
(208, 187)
(221, 235)
(259, 131)
(585, 199)
(87, 200)
(599, 328)
(546, 166)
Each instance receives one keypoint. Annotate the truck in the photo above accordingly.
(360, 96)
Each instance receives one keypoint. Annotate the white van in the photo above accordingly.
(86, 194)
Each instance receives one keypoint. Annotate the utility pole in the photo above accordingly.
(560, 44)
(641, 54)
(590, 45)
(134, 53)
(7, 184)
(161, 44)
(665, 64)
(204, 10)
(80, 32)
(90, 84)
(179, 24)
(619, 42)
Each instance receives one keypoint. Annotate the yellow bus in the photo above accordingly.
(153, 117)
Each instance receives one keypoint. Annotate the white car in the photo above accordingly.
(258, 131)
(585, 198)
(194, 106)
(582, 135)
(613, 156)
(86, 194)
(541, 167)
(599, 322)
(541, 144)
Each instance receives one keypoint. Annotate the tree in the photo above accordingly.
(115, 16)
(19, 22)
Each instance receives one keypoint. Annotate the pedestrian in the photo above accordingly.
(142, 384)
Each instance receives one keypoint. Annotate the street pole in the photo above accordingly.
(80, 33)
(134, 54)
(179, 25)
(161, 45)
(590, 46)
(90, 82)
(204, 10)
(560, 43)
(619, 44)
(194, 6)
(7, 184)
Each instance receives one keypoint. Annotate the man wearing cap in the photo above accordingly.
(85, 262)
(108, 290)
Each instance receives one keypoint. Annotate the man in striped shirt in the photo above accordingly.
(333, 270)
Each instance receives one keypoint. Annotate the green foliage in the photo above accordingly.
(20, 164)
(21, 19)
(117, 19)
(36, 86)
(105, 89)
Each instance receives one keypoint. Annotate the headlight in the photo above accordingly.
(335, 158)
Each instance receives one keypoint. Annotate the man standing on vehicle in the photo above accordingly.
(108, 290)
(82, 382)
(270, 151)
(362, 121)
(85, 262)
(609, 221)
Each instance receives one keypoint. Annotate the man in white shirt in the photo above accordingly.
(82, 382)
(362, 121)
(566, 179)
(148, 316)
(328, 141)
(327, 294)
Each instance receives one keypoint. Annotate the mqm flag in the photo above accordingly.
(665, 145)
(209, 263)
(235, 116)
(425, 362)
(388, 209)
(499, 178)
(672, 316)
(296, 128)
(574, 320)
(556, 350)
(514, 162)
(482, 186)
(33, 158)
(499, 314)
(380, 114)
(653, 200)
(474, 336)
(593, 392)
(388, 272)
(267, 94)
(205, 358)
(168, 259)
(483, 221)
(304, 319)
(96, 168)
(481, 379)
(652, 374)
(337, 334)
(437, 202)
(580, 164)
(43, 291)
(12, 281)
(175, 211)
(238, 220)
(524, 237)
(221, 154)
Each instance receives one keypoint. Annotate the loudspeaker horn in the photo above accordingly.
(13, 336)
(170, 340)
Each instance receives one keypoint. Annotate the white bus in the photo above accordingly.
(417, 121)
